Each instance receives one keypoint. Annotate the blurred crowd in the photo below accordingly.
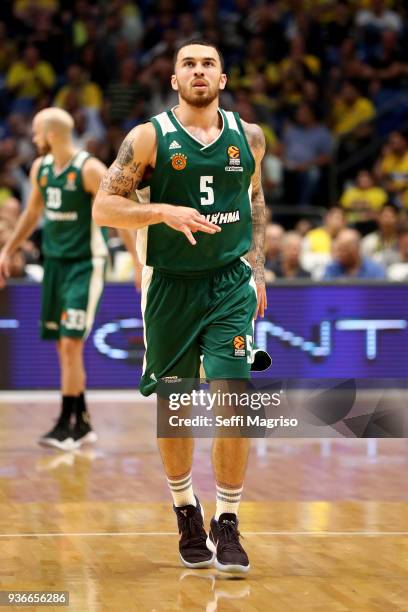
(337, 250)
(326, 80)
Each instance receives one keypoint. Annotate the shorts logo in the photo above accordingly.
(70, 184)
(239, 346)
(234, 159)
(179, 161)
(51, 325)
(74, 319)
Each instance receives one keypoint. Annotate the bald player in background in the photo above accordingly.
(64, 182)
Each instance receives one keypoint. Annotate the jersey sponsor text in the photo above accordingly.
(221, 218)
(61, 216)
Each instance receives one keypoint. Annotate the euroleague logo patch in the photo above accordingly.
(239, 346)
(70, 184)
(233, 152)
(179, 161)
(234, 159)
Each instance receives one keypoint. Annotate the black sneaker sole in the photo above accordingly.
(66, 445)
(231, 568)
(199, 564)
(90, 438)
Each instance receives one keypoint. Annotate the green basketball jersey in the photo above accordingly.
(215, 179)
(68, 231)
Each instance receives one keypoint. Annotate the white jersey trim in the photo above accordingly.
(95, 291)
(203, 145)
(165, 124)
(80, 158)
(98, 244)
(232, 122)
(143, 196)
(250, 195)
(147, 274)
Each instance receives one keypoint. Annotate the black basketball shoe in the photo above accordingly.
(60, 436)
(82, 432)
(192, 545)
(223, 540)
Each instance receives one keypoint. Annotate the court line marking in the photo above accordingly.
(173, 533)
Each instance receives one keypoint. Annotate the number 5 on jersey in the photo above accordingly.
(208, 198)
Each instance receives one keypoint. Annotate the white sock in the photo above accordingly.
(182, 490)
(227, 501)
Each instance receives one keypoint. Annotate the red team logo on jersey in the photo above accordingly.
(179, 161)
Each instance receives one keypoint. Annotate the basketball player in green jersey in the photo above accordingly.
(199, 297)
(64, 182)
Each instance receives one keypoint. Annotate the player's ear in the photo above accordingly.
(174, 83)
(223, 81)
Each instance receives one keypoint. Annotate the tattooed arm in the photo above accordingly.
(113, 205)
(256, 255)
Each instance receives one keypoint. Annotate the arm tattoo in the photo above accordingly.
(125, 174)
(256, 255)
(125, 154)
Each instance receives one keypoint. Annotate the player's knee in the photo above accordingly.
(70, 348)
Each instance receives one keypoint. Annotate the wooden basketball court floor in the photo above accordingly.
(325, 522)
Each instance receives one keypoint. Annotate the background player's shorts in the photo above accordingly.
(70, 295)
(209, 316)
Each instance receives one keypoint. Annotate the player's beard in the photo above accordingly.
(196, 99)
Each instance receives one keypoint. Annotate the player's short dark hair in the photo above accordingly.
(197, 41)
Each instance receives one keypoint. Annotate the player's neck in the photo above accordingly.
(62, 154)
(204, 118)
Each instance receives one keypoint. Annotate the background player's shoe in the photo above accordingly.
(192, 545)
(223, 540)
(82, 432)
(59, 437)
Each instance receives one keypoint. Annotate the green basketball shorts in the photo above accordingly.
(70, 296)
(208, 318)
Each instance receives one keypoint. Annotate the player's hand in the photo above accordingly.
(5, 261)
(187, 220)
(262, 300)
